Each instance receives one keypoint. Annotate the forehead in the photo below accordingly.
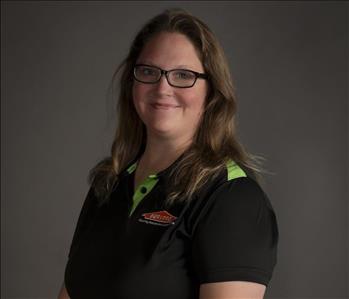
(170, 50)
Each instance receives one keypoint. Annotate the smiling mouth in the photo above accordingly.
(163, 106)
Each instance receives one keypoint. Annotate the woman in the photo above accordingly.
(177, 211)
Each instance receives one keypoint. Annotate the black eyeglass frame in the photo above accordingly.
(163, 72)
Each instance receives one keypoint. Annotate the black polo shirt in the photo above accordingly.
(133, 247)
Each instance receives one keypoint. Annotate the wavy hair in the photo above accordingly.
(215, 141)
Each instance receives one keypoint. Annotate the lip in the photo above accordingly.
(165, 106)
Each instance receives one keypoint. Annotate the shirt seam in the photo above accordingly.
(227, 269)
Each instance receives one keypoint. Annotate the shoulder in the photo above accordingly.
(234, 232)
(239, 197)
(233, 194)
(234, 184)
(242, 192)
(231, 177)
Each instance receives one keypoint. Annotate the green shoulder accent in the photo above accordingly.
(234, 171)
(132, 167)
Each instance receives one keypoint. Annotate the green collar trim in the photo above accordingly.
(132, 168)
(142, 190)
(234, 171)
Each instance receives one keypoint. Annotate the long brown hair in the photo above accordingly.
(215, 141)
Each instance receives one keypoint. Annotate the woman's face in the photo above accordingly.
(167, 111)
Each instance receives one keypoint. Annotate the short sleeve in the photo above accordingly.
(85, 217)
(236, 238)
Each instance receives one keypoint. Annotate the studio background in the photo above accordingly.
(289, 61)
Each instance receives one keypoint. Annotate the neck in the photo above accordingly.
(161, 153)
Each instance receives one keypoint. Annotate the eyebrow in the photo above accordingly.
(176, 67)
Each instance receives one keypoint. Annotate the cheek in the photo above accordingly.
(138, 94)
(195, 101)
(135, 93)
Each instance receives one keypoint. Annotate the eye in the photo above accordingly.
(148, 71)
(184, 75)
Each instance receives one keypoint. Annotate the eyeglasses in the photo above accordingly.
(177, 78)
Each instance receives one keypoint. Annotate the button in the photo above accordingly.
(143, 190)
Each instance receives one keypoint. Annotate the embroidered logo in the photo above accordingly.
(158, 218)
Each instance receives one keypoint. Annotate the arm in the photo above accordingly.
(63, 294)
(235, 243)
(232, 290)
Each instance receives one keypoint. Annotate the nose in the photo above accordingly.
(163, 83)
(162, 89)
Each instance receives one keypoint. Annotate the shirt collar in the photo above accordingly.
(161, 174)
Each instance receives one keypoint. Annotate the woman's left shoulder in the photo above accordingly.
(242, 191)
(234, 232)
(234, 196)
(235, 185)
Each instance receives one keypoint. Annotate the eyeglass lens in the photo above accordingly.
(180, 78)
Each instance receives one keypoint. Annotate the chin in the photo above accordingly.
(163, 131)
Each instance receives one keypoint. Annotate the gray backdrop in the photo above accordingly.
(289, 61)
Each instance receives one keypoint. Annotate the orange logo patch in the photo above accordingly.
(160, 217)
